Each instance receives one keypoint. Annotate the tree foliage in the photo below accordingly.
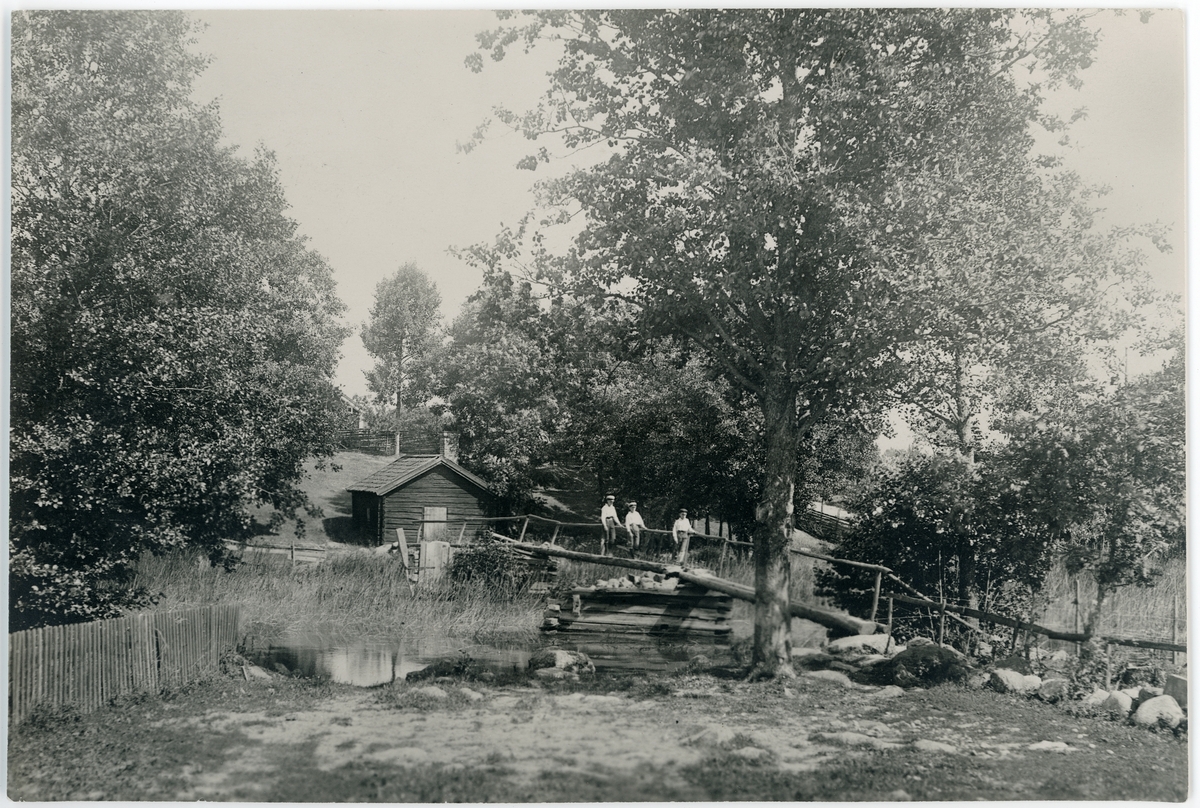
(402, 330)
(173, 340)
(772, 178)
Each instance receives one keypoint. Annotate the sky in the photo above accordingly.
(364, 111)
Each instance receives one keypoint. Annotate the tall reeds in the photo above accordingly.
(356, 594)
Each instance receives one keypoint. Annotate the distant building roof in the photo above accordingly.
(407, 468)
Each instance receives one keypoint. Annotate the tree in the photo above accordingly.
(748, 202)
(173, 340)
(1101, 470)
(403, 326)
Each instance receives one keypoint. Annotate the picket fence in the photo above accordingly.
(84, 665)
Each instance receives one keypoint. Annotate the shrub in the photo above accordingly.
(493, 565)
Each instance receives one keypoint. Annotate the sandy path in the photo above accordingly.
(526, 730)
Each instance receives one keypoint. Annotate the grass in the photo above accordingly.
(356, 593)
(326, 488)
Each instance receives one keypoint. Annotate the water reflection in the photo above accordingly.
(370, 662)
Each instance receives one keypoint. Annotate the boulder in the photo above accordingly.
(1054, 689)
(837, 677)
(471, 695)
(1145, 694)
(553, 674)
(934, 746)
(430, 692)
(1096, 698)
(888, 692)
(1004, 680)
(917, 642)
(861, 643)
(1160, 709)
(1117, 702)
(254, 672)
(1015, 663)
(1058, 661)
(570, 661)
(922, 665)
(1177, 689)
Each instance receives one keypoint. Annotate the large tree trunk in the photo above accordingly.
(772, 564)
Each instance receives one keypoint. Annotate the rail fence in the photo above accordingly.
(87, 664)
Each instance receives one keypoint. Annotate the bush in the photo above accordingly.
(493, 565)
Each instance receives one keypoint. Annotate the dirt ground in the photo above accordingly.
(671, 737)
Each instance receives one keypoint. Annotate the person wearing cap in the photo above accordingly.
(681, 532)
(608, 518)
(634, 526)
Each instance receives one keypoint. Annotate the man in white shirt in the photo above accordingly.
(610, 520)
(681, 532)
(635, 526)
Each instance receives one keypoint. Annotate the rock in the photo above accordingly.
(980, 680)
(1096, 698)
(1160, 709)
(863, 643)
(934, 746)
(819, 662)
(888, 692)
(857, 739)
(1015, 663)
(871, 659)
(254, 672)
(1117, 702)
(837, 677)
(472, 695)
(1058, 661)
(1145, 694)
(1132, 692)
(921, 665)
(1177, 689)
(1053, 690)
(917, 642)
(556, 674)
(431, 692)
(1049, 746)
(715, 734)
(983, 650)
(571, 661)
(1004, 680)
(899, 795)
(750, 753)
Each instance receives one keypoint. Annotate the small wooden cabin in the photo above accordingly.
(427, 493)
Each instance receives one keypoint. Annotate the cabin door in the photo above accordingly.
(434, 524)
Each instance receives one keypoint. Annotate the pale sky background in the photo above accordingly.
(364, 109)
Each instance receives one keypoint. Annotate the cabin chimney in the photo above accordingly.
(450, 445)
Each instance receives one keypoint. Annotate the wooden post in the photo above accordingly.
(888, 644)
(1175, 627)
(293, 555)
(524, 525)
(721, 563)
(942, 625)
(875, 597)
(1107, 666)
(554, 535)
(462, 532)
(1079, 648)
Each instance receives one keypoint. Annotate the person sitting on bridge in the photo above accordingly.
(608, 518)
(634, 525)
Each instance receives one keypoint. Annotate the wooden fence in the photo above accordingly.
(87, 664)
(296, 553)
(367, 441)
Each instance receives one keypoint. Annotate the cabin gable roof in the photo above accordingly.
(407, 468)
